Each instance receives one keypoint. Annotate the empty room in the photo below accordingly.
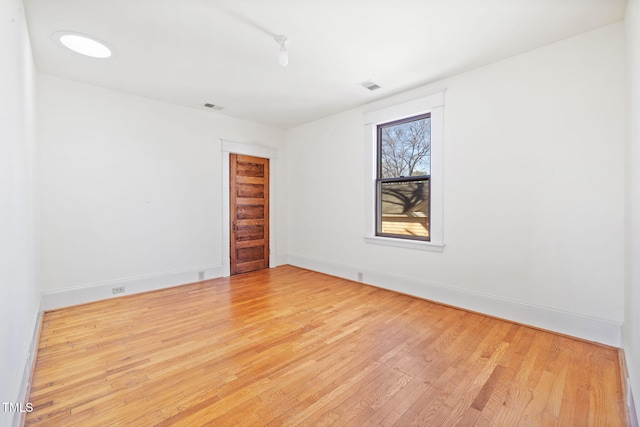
(222, 212)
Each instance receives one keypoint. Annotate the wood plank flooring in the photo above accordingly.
(287, 346)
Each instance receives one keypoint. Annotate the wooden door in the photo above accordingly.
(249, 205)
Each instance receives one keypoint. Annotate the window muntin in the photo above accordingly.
(403, 182)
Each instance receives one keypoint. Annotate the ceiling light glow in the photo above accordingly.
(83, 44)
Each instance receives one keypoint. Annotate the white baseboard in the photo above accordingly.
(23, 381)
(99, 291)
(25, 385)
(632, 403)
(634, 410)
(572, 324)
(580, 326)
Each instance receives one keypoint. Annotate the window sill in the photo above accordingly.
(405, 243)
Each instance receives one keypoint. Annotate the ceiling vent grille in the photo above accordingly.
(370, 85)
(213, 106)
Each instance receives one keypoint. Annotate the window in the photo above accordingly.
(404, 204)
(402, 184)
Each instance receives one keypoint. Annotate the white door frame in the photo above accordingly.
(254, 150)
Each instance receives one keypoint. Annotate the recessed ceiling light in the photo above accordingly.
(83, 44)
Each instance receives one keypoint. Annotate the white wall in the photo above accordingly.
(533, 193)
(631, 331)
(131, 188)
(19, 296)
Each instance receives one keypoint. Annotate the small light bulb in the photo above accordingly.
(283, 57)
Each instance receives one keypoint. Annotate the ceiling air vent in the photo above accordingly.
(213, 106)
(370, 85)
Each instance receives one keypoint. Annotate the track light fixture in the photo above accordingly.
(283, 55)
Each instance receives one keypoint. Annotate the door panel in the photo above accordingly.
(249, 205)
(249, 211)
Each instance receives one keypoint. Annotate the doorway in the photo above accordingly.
(248, 213)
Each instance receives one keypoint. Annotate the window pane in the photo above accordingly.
(404, 208)
(405, 148)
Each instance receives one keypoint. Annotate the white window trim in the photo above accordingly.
(433, 104)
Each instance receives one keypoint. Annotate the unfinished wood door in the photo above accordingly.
(249, 205)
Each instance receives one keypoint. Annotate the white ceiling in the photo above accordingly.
(190, 52)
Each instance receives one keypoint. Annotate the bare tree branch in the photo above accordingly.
(406, 149)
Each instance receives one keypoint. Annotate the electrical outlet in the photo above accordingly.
(118, 290)
(360, 276)
(200, 275)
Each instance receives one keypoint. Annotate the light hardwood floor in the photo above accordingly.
(287, 346)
